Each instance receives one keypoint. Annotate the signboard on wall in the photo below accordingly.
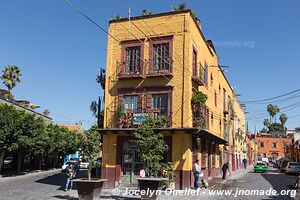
(138, 118)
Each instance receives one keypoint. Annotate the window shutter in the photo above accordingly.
(148, 102)
(140, 103)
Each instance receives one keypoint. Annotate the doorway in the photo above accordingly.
(131, 164)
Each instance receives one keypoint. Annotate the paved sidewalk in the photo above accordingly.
(29, 173)
(239, 173)
(235, 175)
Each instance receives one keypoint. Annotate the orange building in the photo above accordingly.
(273, 147)
(73, 127)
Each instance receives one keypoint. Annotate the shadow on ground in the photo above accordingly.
(59, 179)
(281, 182)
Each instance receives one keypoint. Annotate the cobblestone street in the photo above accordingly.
(50, 185)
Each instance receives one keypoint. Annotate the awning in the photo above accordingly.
(206, 134)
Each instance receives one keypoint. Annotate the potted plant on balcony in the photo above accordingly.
(90, 188)
(119, 116)
(151, 148)
(198, 109)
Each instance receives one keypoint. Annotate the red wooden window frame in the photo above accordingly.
(195, 61)
(160, 40)
(132, 43)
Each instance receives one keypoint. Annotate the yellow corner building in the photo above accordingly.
(155, 64)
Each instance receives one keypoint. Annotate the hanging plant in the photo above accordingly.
(198, 109)
(199, 97)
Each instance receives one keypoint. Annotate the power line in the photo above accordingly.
(276, 97)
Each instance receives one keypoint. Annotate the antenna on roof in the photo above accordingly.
(129, 12)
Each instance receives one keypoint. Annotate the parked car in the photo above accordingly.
(265, 160)
(292, 168)
(72, 162)
(283, 165)
(84, 164)
(8, 162)
(261, 167)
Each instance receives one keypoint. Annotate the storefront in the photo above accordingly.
(121, 160)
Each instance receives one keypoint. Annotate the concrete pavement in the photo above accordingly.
(50, 185)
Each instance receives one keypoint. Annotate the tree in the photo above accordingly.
(283, 119)
(273, 110)
(146, 12)
(266, 123)
(118, 17)
(276, 127)
(264, 130)
(95, 108)
(151, 146)
(90, 147)
(180, 6)
(270, 109)
(11, 76)
(276, 111)
(9, 120)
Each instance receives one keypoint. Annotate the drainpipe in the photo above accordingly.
(183, 63)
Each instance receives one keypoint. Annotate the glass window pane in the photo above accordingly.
(133, 59)
(131, 103)
(160, 102)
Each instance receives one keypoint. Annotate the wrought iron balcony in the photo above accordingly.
(198, 74)
(159, 67)
(199, 115)
(130, 70)
(132, 119)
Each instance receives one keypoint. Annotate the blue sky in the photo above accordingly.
(59, 51)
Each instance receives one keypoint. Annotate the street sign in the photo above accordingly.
(138, 118)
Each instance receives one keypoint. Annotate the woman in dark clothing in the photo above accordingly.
(225, 168)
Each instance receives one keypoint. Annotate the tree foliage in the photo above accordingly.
(25, 133)
(11, 76)
(151, 146)
(90, 147)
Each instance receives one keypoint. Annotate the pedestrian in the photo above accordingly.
(225, 168)
(197, 174)
(245, 162)
(70, 172)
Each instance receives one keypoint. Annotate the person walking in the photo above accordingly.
(225, 168)
(197, 172)
(245, 161)
(70, 172)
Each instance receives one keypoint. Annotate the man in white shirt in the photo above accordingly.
(197, 171)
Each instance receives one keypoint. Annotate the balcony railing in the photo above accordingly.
(129, 70)
(198, 75)
(132, 119)
(156, 67)
(199, 115)
(160, 67)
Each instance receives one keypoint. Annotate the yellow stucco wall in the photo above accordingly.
(181, 151)
(109, 150)
(186, 36)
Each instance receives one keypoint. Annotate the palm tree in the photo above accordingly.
(95, 108)
(276, 111)
(146, 12)
(180, 6)
(270, 109)
(283, 119)
(266, 123)
(11, 76)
